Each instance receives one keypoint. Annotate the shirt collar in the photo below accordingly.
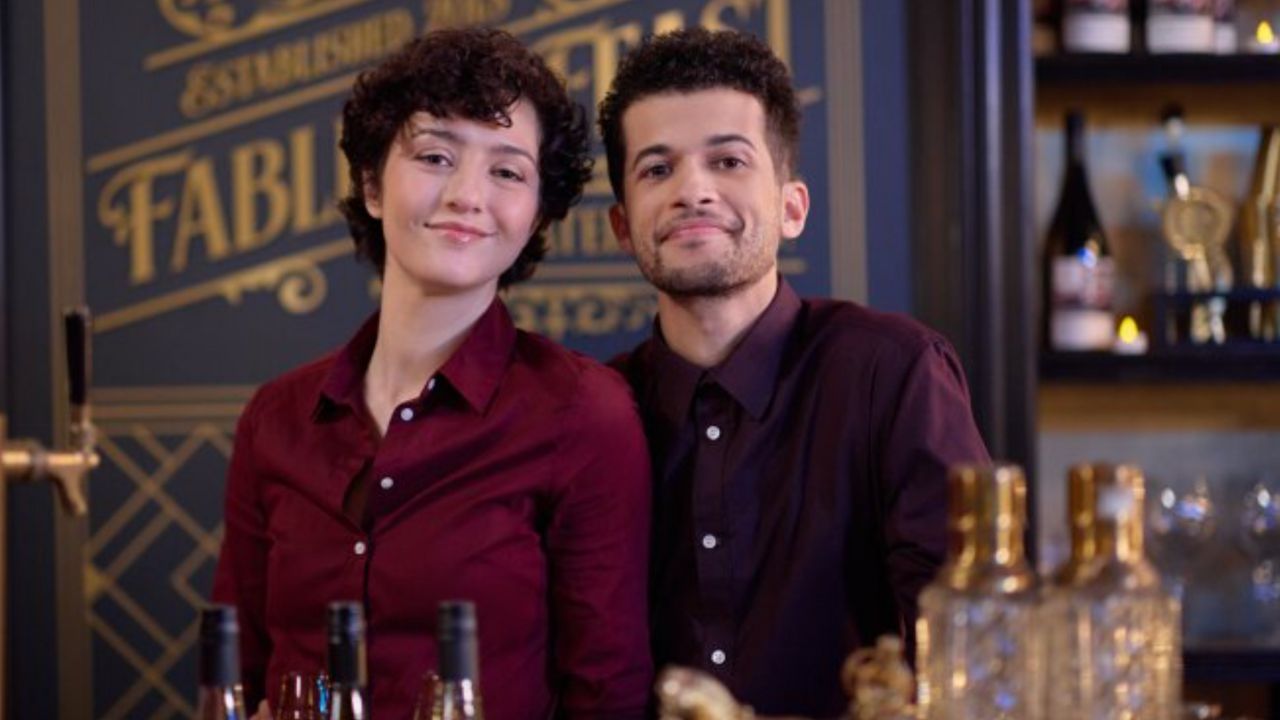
(475, 369)
(750, 372)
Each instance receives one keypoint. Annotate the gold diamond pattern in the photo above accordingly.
(130, 446)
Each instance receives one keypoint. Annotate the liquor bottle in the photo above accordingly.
(1120, 630)
(1079, 272)
(1082, 495)
(1095, 26)
(220, 697)
(347, 674)
(1260, 236)
(457, 692)
(979, 641)
(1181, 26)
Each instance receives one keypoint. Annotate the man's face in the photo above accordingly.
(705, 208)
(458, 200)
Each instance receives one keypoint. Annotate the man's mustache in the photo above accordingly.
(731, 225)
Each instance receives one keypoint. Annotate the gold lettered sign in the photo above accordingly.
(215, 258)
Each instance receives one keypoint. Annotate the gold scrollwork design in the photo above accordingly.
(590, 309)
(299, 283)
(212, 18)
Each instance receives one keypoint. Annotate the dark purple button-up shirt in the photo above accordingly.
(800, 500)
(519, 479)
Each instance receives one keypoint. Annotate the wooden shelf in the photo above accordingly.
(1092, 70)
(1133, 89)
(1231, 363)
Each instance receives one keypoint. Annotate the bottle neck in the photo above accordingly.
(457, 700)
(347, 662)
(1120, 539)
(219, 661)
(221, 702)
(459, 659)
(1074, 133)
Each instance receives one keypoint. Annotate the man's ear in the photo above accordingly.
(795, 208)
(621, 231)
(372, 196)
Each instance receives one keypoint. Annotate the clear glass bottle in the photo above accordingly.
(1119, 651)
(221, 696)
(979, 642)
(457, 692)
(347, 673)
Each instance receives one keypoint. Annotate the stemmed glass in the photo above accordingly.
(1260, 539)
(1182, 522)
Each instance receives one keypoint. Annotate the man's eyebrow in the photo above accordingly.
(658, 149)
(727, 138)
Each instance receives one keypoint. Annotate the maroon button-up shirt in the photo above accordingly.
(800, 502)
(519, 479)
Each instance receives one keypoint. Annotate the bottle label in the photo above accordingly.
(1081, 317)
(1083, 284)
(1096, 26)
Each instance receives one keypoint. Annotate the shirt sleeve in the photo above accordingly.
(241, 575)
(598, 545)
(931, 427)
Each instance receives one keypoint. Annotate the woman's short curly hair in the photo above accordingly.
(699, 59)
(475, 74)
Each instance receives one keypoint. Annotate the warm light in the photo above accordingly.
(1128, 330)
(1265, 35)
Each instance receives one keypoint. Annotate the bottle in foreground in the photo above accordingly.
(978, 641)
(221, 697)
(1118, 647)
(457, 691)
(347, 674)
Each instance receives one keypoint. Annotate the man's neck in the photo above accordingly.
(417, 333)
(705, 330)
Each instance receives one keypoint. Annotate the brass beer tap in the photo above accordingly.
(28, 461)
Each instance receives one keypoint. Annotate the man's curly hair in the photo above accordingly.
(474, 74)
(699, 59)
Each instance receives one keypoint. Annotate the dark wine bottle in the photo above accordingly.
(347, 673)
(220, 696)
(1078, 272)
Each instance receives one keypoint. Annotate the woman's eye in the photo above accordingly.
(655, 171)
(434, 158)
(508, 174)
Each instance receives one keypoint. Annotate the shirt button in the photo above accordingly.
(713, 432)
(406, 414)
(386, 483)
(709, 541)
(718, 657)
(431, 384)
(360, 547)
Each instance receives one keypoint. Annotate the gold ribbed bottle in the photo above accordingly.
(1115, 644)
(980, 649)
(1260, 235)
(1082, 500)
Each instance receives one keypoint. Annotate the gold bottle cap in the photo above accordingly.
(990, 503)
(1120, 493)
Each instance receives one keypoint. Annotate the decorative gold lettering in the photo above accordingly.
(302, 163)
(133, 223)
(585, 232)
(460, 13)
(256, 171)
(200, 215)
(212, 86)
(604, 44)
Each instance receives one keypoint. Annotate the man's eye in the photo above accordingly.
(434, 158)
(730, 163)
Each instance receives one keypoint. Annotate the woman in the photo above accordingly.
(441, 453)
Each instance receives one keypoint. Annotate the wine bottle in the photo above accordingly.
(1078, 272)
(1095, 26)
(221, 696)
(1260, 235)
(979, 642)
(457, 692)
(1181, 26)
(347, 674)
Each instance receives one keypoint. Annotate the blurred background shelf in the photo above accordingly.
(1233, 665)
(1092, 70)
(1231, 363)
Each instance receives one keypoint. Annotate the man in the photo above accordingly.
(800, 446)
